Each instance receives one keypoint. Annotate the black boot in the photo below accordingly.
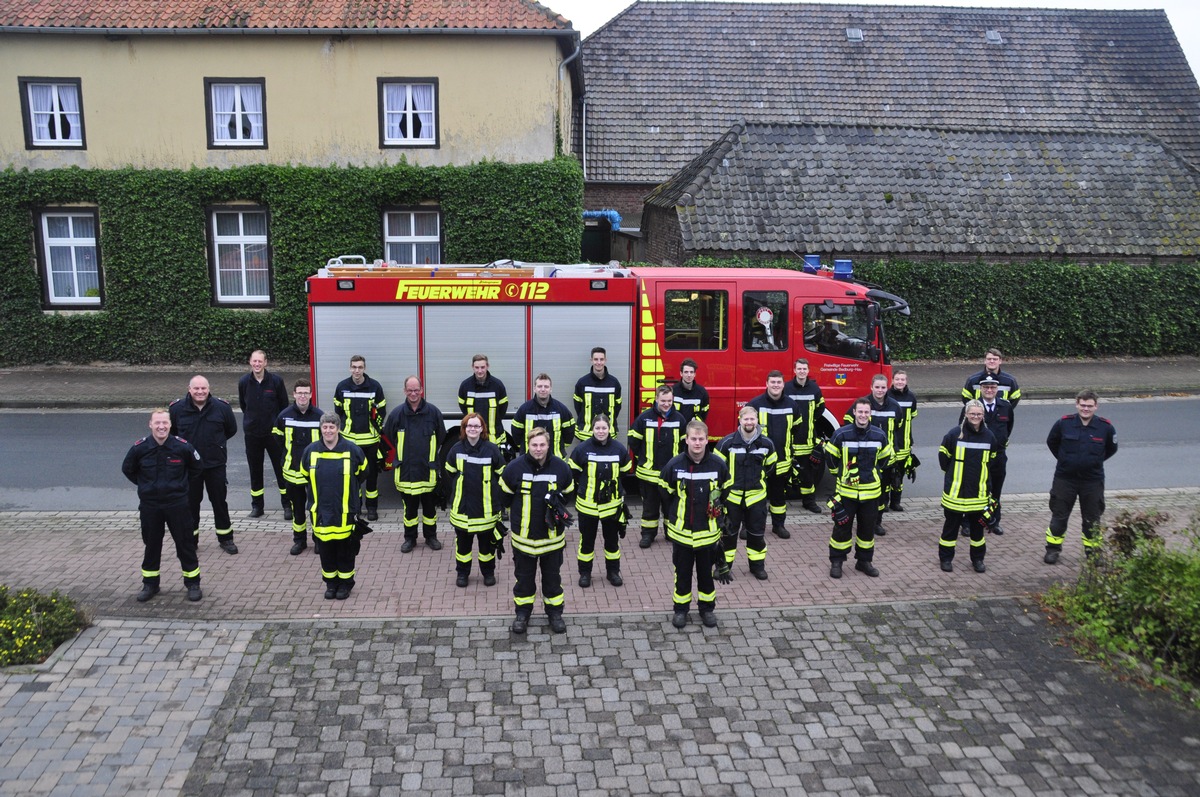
(758, 570)
(614, 576)
(585, 577)
(148, 592)
(298, 544)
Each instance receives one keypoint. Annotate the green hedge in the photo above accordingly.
(153, 247)
(1033, 309)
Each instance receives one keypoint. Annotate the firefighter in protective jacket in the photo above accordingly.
(750, 456)
(298, 427)
(857, 454)
(598, 464)
(333, 468)
(655, 437)
(415, 431)
(360, 403)
(473, 466)
(965, 455)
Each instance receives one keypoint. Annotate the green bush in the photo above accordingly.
(32, 625)
(154, 249)
(1139, 597)
(1032, 309)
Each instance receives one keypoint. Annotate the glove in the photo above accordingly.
(723, 571)
(498, 540)
(623, 519)
(910, 467)
(439, 495)
(557, 516)
(817, 457)
(988, 518)
(361, 529)
(839, 513)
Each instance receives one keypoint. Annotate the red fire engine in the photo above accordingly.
(737, 323)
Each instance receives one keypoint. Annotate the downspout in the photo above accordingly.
(562, 67)
(583, 132)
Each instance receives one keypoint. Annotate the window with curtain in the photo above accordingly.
(408, 112)
(70, 258)
(241, 255)
(236, 115)
(53, 112)
(413, 237)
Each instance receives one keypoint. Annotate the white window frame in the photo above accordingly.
(63, 92)
(400, 111)
(407, 244)
(241, 240)
(245, 93)
(74, 244)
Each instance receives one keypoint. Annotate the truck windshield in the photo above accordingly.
(838, 331)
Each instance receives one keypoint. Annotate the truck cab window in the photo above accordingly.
(696, 320)
(764, 320)
(839, 331)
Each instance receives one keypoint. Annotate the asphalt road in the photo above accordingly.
(70, 460)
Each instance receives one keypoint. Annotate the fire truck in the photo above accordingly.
(738, 324)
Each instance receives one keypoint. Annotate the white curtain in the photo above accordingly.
(68, 100)
(423, 103)
(41, 99)
(252, 105)
(393, 107)
(222, 106)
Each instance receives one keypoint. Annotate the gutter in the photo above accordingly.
(230, 31)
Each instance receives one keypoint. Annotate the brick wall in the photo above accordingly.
(663, 241)
(625, 198)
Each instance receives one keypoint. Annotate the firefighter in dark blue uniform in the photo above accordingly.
(777, 418)
(262, 395)
(360, 403)
(536, 485)
(750, 456)
(885, 413)
(473, 467)
(691, 399)
(298, 427)
(1008, 388)
(207, 422)
(857, 454)
(597, 392)
(1081, 443)
(333, 468)
(965, 454)
(998, 417)
(903, 440)
(485, 394)
(163, 466)
(655, 436)
(598, 464)
(810, 427)
(546, 412)
(694, 485)
(415, 431)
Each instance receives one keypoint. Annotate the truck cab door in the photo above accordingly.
(841, 341)
(695, 323)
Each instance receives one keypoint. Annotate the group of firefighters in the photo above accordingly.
(491, 481)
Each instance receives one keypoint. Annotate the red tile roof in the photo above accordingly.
(282, 14)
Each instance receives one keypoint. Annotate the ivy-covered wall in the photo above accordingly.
(1033, 309)
(153, 247)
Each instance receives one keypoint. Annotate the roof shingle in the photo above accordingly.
(778, 188)
(665, 79)
(282, 14)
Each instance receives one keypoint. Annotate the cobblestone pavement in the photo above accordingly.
(918, 682)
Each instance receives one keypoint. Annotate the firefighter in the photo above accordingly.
(163, 467)
(597, 392)
(857, 453)
(473, 466)
(810, 427)
(964, 455)
(262, 395)
(333, 468)
(414, 431)
(902, 441)
(547, 412)
(1008, 390)
(297, 427)
(884, 412)
(998, 417)
(691, 399)
(1081, 443)
(485, 394)
(535, 486)
(207, 422)
(360, 403)
(655, 437)
(750, 456)
(777, 417)
(598, 465)
(694, 484)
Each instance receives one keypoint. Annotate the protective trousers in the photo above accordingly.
(525, 590)
(178, 520)
(950, 528)
(272, 446)
(463, 543)
(588, 526)
(337, 561)
(997, 471)
(213, 480)
(371, 451)
(651, 508)
(754, 518)
(424, 503)
(1063, 493)
(297, 499)
(863, 514)
(777, 485)
(685, 558)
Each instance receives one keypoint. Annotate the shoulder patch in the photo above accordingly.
(223, 401)
(1065, 417)
(176, 401)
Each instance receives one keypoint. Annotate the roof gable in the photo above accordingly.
(665, 79)
(366, 15)
(854, 188)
